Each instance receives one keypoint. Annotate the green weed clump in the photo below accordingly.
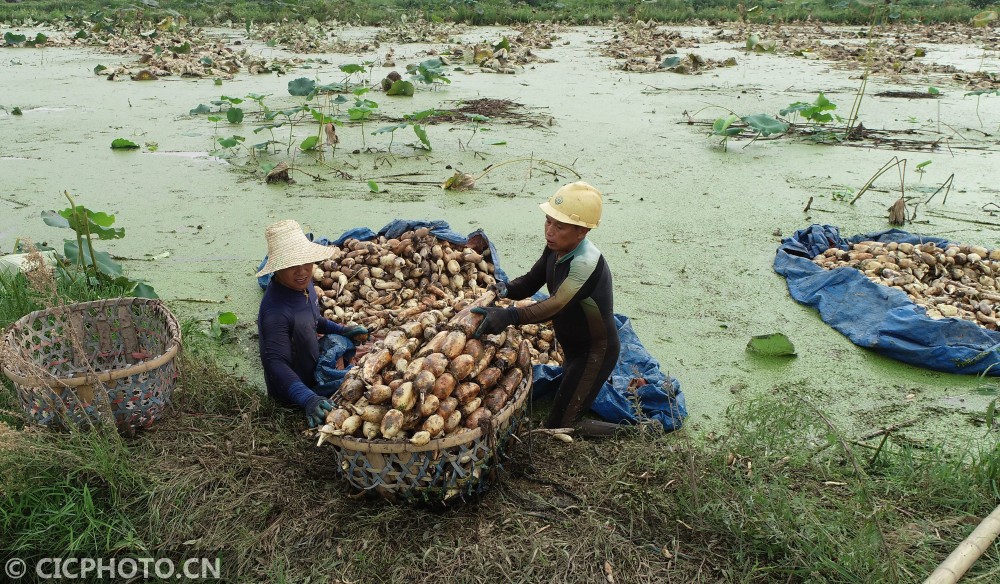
(489, 12)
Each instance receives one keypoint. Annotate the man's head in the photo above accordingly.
(572, 212)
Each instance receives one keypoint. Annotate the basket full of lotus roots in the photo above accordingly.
(430, 419)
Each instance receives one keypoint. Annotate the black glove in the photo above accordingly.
(501, 288)
(316, 416)
(496, 319)
(357, 334)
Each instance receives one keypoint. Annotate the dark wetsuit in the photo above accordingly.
(580, 306)
(287, 324)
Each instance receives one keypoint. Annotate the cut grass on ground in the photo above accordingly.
(783, 497)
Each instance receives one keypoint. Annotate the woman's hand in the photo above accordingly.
(317, 415)
(357, 334)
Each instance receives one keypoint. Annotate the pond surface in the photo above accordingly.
(689, 230)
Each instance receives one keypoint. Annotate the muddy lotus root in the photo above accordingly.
(956, 281)
(416, 387)
(414, 284)
(415, 279)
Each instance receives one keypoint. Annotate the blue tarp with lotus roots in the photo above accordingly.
(661, 398)
(879, 317)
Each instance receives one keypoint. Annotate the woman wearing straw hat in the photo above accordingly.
(580, 306)
(289, 321)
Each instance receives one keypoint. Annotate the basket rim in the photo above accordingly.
(104, 376)
(395, 447)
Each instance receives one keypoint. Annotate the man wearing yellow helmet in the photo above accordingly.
(580, 305)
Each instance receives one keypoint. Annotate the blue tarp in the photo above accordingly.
(879, 317)
(661, 399)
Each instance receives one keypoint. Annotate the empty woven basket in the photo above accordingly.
(79, 364)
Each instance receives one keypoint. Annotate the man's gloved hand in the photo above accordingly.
(317, 415)
(357, 334)
(496, 319)
(501, 288)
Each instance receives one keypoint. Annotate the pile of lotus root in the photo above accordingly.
(957, 281)
(423, 376)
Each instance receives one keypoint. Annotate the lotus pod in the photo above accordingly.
(404, 397)
(372, 413)
(475, 348)
(524, 354)
(461, 367)
(510, 381)
(470, 406)
(396, 383)
(495, 400)
(396, 339)
(452, 421)
(542, 345)
(444, 385)
(479, 416)
(436, 363)
(453, 267)
(392, 424)
(415, 367)
(373, 365)
(434, 345)
(351, 425)
(336, 417)
(496, 340)
(351, 390)
(453, 344)
(506, 357)
(370, 430)
(420, 438)
(434, 425)
(466, 392)
(489, 377)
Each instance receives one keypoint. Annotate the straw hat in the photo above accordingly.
(287, 246)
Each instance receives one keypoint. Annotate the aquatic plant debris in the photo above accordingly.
(772, 345)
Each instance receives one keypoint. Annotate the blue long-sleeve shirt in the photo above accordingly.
(287, 325)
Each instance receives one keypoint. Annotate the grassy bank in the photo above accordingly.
(488, 12)
(782, 496)
(779, 499)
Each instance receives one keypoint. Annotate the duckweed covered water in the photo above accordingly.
(689, 230)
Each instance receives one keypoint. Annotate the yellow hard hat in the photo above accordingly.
(577, 204)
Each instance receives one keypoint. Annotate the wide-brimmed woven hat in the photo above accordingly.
(287, 246)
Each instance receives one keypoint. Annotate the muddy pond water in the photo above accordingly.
(690, 230)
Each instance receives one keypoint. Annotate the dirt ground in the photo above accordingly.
(689, 230)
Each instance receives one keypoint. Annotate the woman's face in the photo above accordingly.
(563, 238)
(296, 277)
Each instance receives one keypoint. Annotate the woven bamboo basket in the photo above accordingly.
(76, 365)
(450, 468)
